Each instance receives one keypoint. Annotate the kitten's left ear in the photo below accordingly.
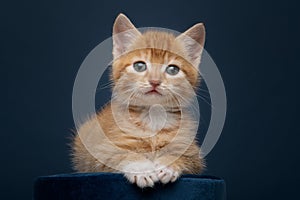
(193, 41)
(124, 34)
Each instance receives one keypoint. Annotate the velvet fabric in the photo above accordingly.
(92, 186)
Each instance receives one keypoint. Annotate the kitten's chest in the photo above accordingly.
(147, 130)
(148, 144)
(153, 133)
(155, 119)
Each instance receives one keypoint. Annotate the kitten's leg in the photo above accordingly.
(167, 174)
(139, 170)
(170, 166)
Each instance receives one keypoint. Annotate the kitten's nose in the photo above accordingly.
(154, 83)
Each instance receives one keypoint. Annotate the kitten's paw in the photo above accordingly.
(141, 173)
(167, 174)
(142, 180)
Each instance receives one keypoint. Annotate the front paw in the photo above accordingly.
(167, 174)
(142, 179)
(141, 173)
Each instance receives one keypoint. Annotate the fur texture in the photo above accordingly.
(140, 133)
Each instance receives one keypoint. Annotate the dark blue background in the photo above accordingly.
(44, 42)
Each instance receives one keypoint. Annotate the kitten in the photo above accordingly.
(143, 132)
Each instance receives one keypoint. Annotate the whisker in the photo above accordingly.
(205, 100)
(202, 97)
(109, 84)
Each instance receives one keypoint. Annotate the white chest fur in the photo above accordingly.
(156, 118)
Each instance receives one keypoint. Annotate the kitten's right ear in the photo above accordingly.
(124, 34)
(193, 40)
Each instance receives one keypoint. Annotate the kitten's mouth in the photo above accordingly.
(153, 91)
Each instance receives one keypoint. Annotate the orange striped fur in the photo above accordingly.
(129, 143)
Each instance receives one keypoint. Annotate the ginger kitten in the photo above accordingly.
(146, 132)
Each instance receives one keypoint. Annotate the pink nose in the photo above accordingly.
(154, 83)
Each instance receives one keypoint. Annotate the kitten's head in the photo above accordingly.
(155, 67)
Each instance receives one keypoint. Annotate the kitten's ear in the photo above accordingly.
(193, 41)
(124, 34)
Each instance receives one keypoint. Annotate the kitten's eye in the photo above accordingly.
(172, 70)
(140, 66)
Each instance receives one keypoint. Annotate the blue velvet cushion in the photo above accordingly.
(114, 186)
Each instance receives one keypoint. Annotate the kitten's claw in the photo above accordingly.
(142, 180)
(167, 175)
